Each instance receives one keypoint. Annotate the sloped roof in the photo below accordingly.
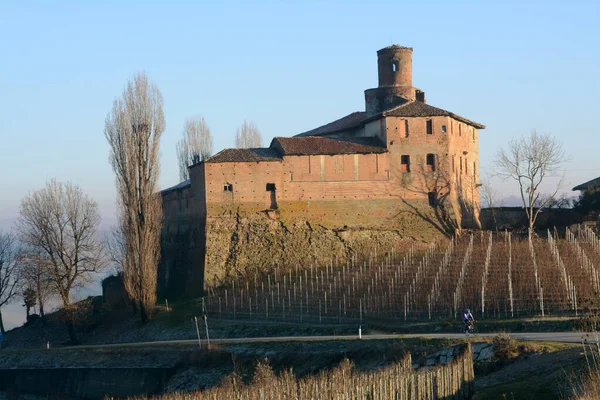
(409, 109)
(181, 185)
(352, 120)
(315, 145)
(420, 109)
(245, 155)
(586, 185)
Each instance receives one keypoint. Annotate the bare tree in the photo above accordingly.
(491, 197)
(59, 223)
(529, 160)
(10, 274)
(36, 276)
(29, 300)
(434, 185)
(248, 136)
(117, 249)
(133, 129)
(195, 146)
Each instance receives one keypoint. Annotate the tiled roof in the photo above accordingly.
(349, 121)
(181, 185)
(420, 109)
(315, 145)
(245, 155)
(586, 185)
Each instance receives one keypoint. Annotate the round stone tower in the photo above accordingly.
(394, 67)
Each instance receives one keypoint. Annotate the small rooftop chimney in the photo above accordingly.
(420, 96)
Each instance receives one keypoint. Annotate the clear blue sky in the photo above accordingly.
(290, 67)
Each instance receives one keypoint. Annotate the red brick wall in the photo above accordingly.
(320, 177)
(356, 176)
(457, 139)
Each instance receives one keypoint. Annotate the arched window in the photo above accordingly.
(395, 65)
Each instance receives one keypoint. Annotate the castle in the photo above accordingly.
(399, 157)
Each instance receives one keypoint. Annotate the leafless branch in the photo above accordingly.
(195, 146)
(528, 161)
(10, 271)
(248, 136)
(133, 129)
(60, 224)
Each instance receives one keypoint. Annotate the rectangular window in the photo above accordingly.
(270, 187)
(474, 169)
(431, 162)
(466, 166)
(459, 129)
(452, 163)
(443, 128)
(228, 187)
(429, 127)
(432, 197)
(405, 128)
(473, 132)
(460, 165)
(405, 163)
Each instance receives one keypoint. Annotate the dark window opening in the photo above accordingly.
(395, 66)
(228, 187)
(473, 130)
(444, 129)
(459, 129)
(431, 162)
(461, 165)
(474, 169)
(270, 187)
(405, 163)
(405, 128)
(432, 197)
(429, 127)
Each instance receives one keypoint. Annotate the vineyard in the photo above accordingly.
(496, 275)
(399, 381)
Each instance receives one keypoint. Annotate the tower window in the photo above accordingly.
(431, 162)
(228, 187)
(405, 128)
(405, 163)
(444, 129)
(270, 187)
(429, 127)
(432, 197)
(395, 66)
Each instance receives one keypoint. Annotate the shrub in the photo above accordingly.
(505, 347)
